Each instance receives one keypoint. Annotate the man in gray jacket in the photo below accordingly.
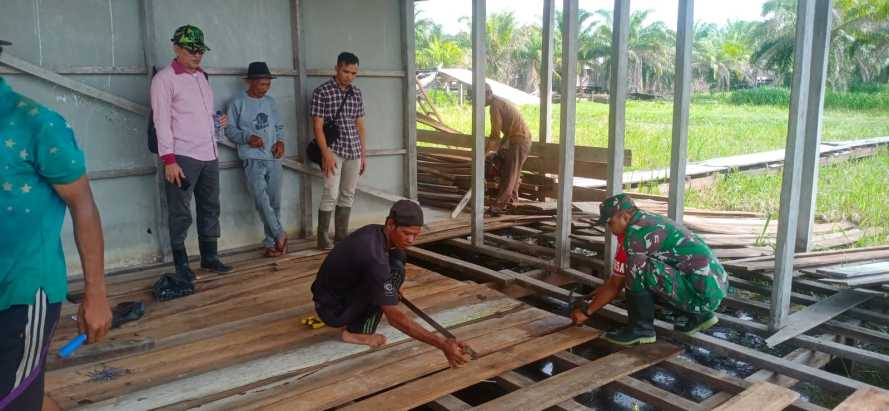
(254, 125)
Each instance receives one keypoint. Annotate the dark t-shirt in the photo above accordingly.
(357, 270)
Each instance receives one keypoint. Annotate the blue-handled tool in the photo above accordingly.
(72, 345)
(122, 313)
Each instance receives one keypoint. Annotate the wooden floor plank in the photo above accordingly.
(512, 381)
(357, 377)
(449, 403)
(816, 314)
(868, 399)
(571, 383)
(252, 342)
(761, 396)
(419, 392)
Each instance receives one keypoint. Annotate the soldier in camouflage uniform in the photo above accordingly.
(664, 261)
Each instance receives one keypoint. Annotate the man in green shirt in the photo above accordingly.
(42, 172)
(664, 261)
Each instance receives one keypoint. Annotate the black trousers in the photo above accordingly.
(203, 179)
(24, 341)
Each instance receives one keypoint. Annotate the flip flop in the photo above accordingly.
(272, 252)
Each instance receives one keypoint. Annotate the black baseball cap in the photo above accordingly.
(406, 213)
(5, 43)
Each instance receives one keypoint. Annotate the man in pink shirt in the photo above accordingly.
(182, 103)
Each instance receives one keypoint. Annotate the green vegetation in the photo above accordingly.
(715, 129)
(738, 54)
(875, 99)
(856, 191)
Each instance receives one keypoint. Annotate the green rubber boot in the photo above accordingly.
(696, 322)
(640, 328)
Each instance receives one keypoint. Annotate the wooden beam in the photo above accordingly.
(814, 111)
(567, 128)
(720, 380)
(512, 381)
(816, 314)
(581, 153)
(73, 85)
(546, 73)
(474, 271)
(479, 53)
(448, 403)
(576, 381)
(304, 136)
(761, 396)
(637, 388)
(617, 106)
(790, 184)
(681, 100)
(408, 37)
(421, 391)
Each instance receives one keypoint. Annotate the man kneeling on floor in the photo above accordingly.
(361, 278)
(663, 260)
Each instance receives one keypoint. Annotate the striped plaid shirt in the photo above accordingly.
(325, 102)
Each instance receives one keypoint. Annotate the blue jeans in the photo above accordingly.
(264, 185)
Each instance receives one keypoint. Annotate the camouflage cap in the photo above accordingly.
(612, 205)
(190, 38)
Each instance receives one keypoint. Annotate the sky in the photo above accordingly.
(448, 12)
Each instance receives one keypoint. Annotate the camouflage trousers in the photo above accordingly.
(689, 292)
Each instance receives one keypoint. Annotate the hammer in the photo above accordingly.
(437, 326)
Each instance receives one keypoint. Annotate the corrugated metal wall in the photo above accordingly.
(95, 35)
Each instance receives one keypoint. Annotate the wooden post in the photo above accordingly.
(790, 185)
(161, 214)
(820, 49)
(478, 121)
(566, 134)
(681, 99)
(304, 134)
(410, 99)
(617, 100)
(546, 73)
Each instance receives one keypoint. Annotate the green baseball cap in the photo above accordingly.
(612, 205)
(190, 38)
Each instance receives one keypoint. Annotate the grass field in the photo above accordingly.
(857, 191)
(715, 129)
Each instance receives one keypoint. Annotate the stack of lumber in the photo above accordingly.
(238, 343)
(870, 274)
(738, 229)
(445, 175)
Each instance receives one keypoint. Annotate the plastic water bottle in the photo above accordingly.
(217, 124)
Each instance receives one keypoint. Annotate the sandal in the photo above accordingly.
(283, 248)
(272, 252)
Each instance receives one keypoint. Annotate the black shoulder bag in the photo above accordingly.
(331, 133)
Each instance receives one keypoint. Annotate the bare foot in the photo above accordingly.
(50, 404)
(372, 340)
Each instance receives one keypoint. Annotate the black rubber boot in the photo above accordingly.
(324, 242)
(640, 328)
(210, 258)
(180, 261)
(696, 322)
(341, 223)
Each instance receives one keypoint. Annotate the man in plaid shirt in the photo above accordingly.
(343, 161)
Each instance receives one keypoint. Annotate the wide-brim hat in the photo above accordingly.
(258, 70)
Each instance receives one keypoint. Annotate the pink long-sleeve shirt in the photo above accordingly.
(182, 103)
